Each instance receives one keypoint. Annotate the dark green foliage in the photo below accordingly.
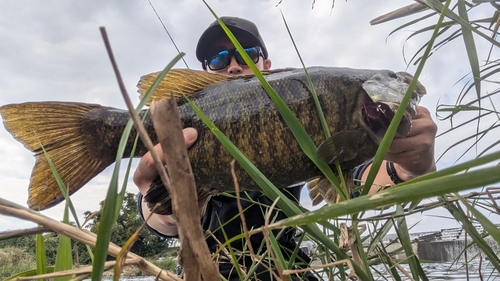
(129, 220)
(14, 259)
(27, 245)
(166, 263)
(148, 244)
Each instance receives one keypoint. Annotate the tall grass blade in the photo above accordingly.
(416, 190)
(62, 185)
(309, 82)
(379, 236)
(121, 257)
(488, 226)
(285, 204)
(64, 257)
(69, 203)
(408, 24)
(304, 141)
(112, 203)
(477, 135)
(391, 131)
(460, 216)
(436, 5)
(360, 249)
(404, 238)
(470, 46)
(342, 187)
(278, 255)
(302, 137)
(233, 254)
(28, 273)
(108, 219)
(41, 257)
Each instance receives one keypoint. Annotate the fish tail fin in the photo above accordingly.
(58, 128)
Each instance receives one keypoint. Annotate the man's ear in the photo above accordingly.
(267, 64)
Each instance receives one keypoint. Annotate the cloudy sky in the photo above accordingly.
(53, 51)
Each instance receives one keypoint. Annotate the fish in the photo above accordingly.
(82, 139)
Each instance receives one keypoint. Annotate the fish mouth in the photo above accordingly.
(384, 93)
(378, 116)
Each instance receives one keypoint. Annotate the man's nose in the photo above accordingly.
(234, 67)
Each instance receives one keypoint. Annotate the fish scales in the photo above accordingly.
(247, 115)
(239, 107)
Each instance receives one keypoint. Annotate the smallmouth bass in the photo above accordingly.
(82, 139)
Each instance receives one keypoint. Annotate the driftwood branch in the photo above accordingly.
(9, 234)
(82, 273)
(194, 254)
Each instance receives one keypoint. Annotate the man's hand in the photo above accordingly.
(414, 155)
(146, 170)
(143, 177)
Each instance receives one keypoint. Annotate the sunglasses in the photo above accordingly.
(223, 58)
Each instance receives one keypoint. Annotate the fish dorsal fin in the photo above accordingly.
(177, 82)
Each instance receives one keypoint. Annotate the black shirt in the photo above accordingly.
(222, 219)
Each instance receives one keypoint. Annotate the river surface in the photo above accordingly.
(434, 271)
(449, 271)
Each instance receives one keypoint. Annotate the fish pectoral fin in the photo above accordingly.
(341, 147)
(178, 82)
(345, 237)
(321, 188)
(314, 193)
(158, 198)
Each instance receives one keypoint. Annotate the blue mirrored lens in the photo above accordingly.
(219, 61)
(252, 52)
(223, 58)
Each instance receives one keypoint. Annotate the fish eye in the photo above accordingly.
(392, 75)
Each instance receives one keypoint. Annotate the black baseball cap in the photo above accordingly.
(240, 27)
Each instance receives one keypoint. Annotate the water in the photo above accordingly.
(434, 272)
(449, 271)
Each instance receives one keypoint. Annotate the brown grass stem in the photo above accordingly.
(194, 253)
(135, 117)
(22, 232)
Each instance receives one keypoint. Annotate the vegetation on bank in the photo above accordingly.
(19, 254)
(14, 260)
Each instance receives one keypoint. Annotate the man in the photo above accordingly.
(410, 157)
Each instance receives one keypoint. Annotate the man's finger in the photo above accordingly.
(190, 136)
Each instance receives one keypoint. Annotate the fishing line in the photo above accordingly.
(168, 33)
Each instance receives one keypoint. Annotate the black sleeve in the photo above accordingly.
(152, 230)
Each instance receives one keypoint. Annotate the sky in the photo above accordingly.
(53, 51)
